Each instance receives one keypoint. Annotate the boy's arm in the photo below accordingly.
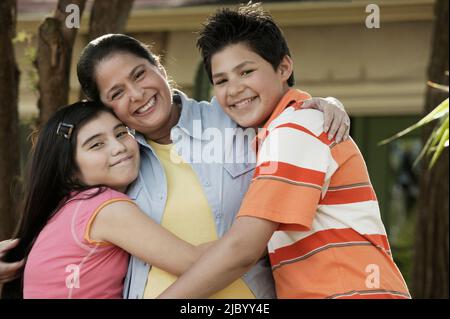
(227, 260)
(336, 119)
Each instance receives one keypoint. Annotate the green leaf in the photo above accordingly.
(438, 112)
(440, 148)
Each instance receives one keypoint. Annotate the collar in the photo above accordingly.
(190, 120)
(293, 98)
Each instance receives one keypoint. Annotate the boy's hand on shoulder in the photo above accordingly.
(336, 119)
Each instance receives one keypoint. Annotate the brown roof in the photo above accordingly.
(47, 6)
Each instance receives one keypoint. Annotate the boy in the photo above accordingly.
(315, 208)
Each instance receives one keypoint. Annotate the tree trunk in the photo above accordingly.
(9, 118)
(109, 16)
(54, 55)
(431, 248)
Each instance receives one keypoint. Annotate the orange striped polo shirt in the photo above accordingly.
(331, 242)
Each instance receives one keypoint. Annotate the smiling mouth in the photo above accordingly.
(243, 103)
(146, 107)
(124, 159)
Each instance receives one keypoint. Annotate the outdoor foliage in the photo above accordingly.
(438, 139)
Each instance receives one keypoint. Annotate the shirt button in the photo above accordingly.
(207, 183)
(219, 216)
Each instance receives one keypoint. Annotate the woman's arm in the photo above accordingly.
(336, 120)
(123, 224)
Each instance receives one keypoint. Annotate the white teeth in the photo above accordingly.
(243, 103)
(147, 106)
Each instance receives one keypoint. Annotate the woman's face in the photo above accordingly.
(106, 153)
(137, 91)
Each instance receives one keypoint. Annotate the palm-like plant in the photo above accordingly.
(438, 139)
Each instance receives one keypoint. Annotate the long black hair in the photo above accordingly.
(51, 177)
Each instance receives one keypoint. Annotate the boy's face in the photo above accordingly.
(246, 86)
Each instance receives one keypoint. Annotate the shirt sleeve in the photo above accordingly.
(89, 205)
(290, 175)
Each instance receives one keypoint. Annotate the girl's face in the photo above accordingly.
(137, 91)
(106, 153)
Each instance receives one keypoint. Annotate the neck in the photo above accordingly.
(162, 136)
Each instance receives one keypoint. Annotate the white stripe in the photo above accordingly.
(308, 118)
(295, 147)
(363, 217)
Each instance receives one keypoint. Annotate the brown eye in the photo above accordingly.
(139, 74)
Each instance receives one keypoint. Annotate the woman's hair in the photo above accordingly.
(51, 178)
(102, 48)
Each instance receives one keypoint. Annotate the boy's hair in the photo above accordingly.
(248, 24)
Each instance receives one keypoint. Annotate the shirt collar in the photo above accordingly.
(293, 98)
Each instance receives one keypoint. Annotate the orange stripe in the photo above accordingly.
(282, 202)
(291, 172)
(305, 247)
(337, 271)
(347, 196)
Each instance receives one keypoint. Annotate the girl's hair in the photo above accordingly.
(51, 178)
(102, 48)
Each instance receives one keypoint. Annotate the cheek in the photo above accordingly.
(220, 96)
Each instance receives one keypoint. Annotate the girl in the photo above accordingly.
(77, 225)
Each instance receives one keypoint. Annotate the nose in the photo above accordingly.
(136, 93)
(235, 87)
(117, 147)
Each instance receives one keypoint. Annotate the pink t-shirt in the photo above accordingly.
(64, 263)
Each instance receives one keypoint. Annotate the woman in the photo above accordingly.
(122, 73)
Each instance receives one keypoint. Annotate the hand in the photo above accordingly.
(9, 271)
(336, 120)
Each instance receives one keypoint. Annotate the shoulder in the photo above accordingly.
(209, 112)
(94, 199)
(307, 119)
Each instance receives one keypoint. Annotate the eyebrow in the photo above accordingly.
(239, 66)
(129, 76)
(100, 134)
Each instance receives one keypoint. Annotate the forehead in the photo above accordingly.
(116, 67)
(104, 122)
(232, 55)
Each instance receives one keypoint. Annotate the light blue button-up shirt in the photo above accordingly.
(224, 182)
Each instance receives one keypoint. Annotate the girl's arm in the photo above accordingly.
(123, 224)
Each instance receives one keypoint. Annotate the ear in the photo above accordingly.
(286, 68)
